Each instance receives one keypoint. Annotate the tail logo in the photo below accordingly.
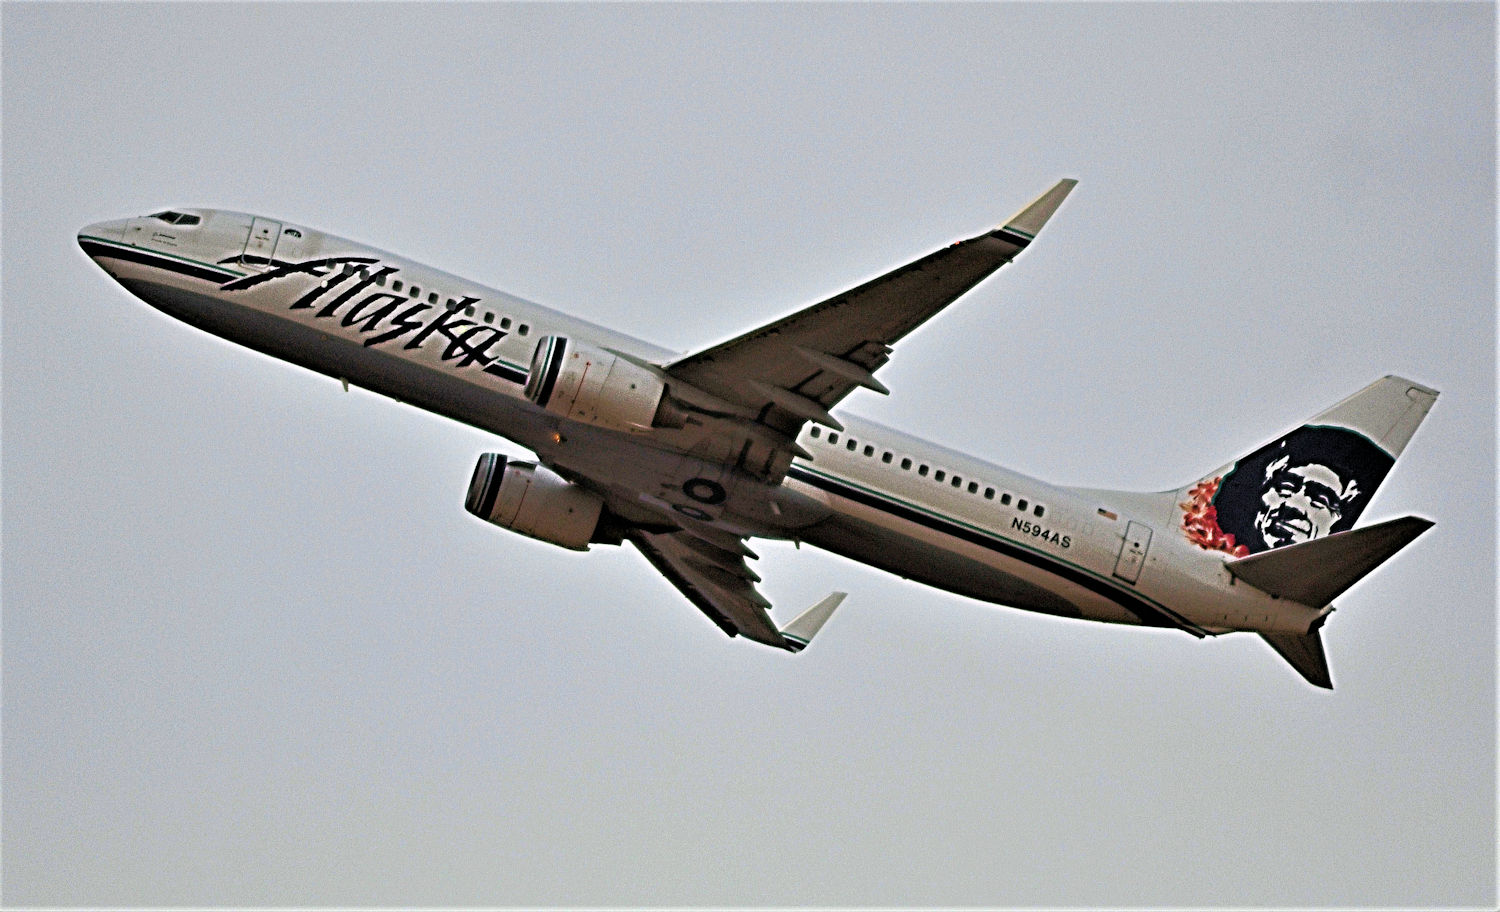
(1312, 482)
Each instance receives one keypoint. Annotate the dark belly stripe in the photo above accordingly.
(1150, 615)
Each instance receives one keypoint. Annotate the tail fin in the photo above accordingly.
(1312, 481)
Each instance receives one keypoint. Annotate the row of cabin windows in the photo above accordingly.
(412, 291)
(956, 481)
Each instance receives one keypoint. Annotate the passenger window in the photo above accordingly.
(1021, 505)
(414, 292)
(816, 432)
(886, 457)
(922, 470)
(989, 493)
(489, 317)
(957, 482)
(973, 487)
(1039, 510)
(469, 311)
(1005, 499)
(869, 450)
(851, 444)
(505, 322)
(939, 475)
(432, 297)
(396, 285)
(522, 330)
(906, 464)
(833, 438)
(380, 279)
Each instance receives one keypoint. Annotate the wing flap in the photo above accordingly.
(720, 584)
(717, 582)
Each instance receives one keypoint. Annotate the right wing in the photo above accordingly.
(723, 587)
(797, 368)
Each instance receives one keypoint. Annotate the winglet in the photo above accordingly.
(1025, 225)
(801, 631)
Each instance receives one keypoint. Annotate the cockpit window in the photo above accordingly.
(177, 218)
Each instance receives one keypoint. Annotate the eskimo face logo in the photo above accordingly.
(351, 289)
(1313, 482)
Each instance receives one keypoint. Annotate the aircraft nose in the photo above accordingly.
(108, 231)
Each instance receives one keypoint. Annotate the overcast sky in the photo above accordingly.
(256, 653)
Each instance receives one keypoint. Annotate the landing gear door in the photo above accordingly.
(1133, 552)
(260, 246)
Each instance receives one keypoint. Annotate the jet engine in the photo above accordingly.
(534, 501)
(597, 387)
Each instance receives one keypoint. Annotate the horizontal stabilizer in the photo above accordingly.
(1305, 653)
(801, 631)
(1315, 572)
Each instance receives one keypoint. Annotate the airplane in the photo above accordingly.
(689, 456)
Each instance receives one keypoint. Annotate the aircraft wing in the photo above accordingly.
(723, 587)
(797, 368)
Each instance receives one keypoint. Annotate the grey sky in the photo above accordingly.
(255, 652)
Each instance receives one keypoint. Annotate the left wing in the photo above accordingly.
(797, 368)
(723, 587)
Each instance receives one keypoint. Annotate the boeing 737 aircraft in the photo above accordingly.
(689, 456)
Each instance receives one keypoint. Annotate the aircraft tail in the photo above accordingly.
(1316, 572)
(1311, 482)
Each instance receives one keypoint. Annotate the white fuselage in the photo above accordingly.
(871, 493)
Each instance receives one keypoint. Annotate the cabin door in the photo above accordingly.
(1133, 552)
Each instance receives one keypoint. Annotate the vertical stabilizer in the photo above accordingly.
(1313, 481)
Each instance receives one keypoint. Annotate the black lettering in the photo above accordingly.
(359, 286)
(473, 350)
(317, 291)
(402, 325)
(446, 320)
(308, 267)
(372, 319)
(1067, 541)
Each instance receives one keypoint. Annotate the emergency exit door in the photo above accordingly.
(1133, 551)
(260, 246)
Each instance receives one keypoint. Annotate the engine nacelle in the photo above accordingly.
(532, 500)
(594, 386)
